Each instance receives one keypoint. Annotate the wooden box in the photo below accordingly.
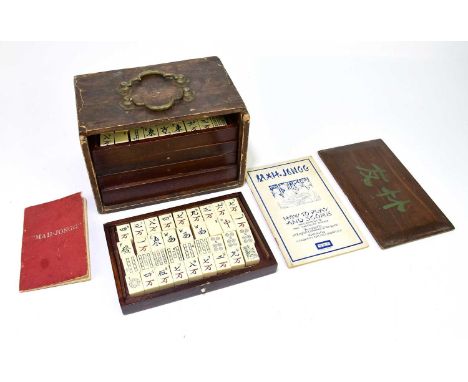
(155, 169)
(266, 265)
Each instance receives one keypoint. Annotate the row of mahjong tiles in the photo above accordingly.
(187, 245)
(137, 134)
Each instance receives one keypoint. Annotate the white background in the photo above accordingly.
(372, 315)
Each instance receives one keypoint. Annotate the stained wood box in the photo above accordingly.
(162, 168)
(130, 304)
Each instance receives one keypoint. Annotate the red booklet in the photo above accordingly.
(55, 244)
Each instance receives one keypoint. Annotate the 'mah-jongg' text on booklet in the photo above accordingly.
(303, 213)
(55, 244)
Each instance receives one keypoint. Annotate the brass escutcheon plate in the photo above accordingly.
(178, 80)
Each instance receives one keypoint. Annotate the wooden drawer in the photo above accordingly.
(166, 170)
(152, 157)
(165, 187)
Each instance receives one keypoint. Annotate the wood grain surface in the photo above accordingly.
(392, 204)
(98, 99)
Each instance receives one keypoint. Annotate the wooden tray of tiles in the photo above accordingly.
(168, 255)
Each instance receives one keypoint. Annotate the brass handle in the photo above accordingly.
(179, 80)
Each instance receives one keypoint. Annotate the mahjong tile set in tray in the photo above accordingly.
(186, 250)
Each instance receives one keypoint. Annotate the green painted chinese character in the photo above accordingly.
(375, 173)
(400, 205)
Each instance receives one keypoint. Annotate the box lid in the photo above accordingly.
(154, 94)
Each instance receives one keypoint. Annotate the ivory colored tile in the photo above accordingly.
(213, 227)
(164, 277)
(188, 250)
(219, 253)
(237, 215)
(205, 123)
(241, 223)
(136, 134)
(149, 279)
(230, 240)
(209, 215)
(207, 264)
(235, 258)
(181, 219)
(216, 244)
(191, 125)
(210, 218)
(206, 209)
(194, 215)
(152, 226)
(121, 136)
(200, 230)
(186, 242)
(250, 254)
(218, 206)
(226, 224)
(205, 257)
(124, 232)
(193, 269)
(232, 202)
(234, 208)
(223, 214)
(218, 121)
(194, 211)
(166, 221)
(138, 229)
(145, 261)
(166, 129)
(130, 264)
(178, 127)
(184, 234)
(202, 246)
(222, 262)
(159, 257)
(156, 240)
(170, 238)
(107, 139)
(235, 212)
(125, 248)
(152, 230)
(158, 250)
(220, 209)
(142, 245)
(174, 254)
(176, 263)
(245, 236)
(179, 274)
(150, 132)
(134, 284)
